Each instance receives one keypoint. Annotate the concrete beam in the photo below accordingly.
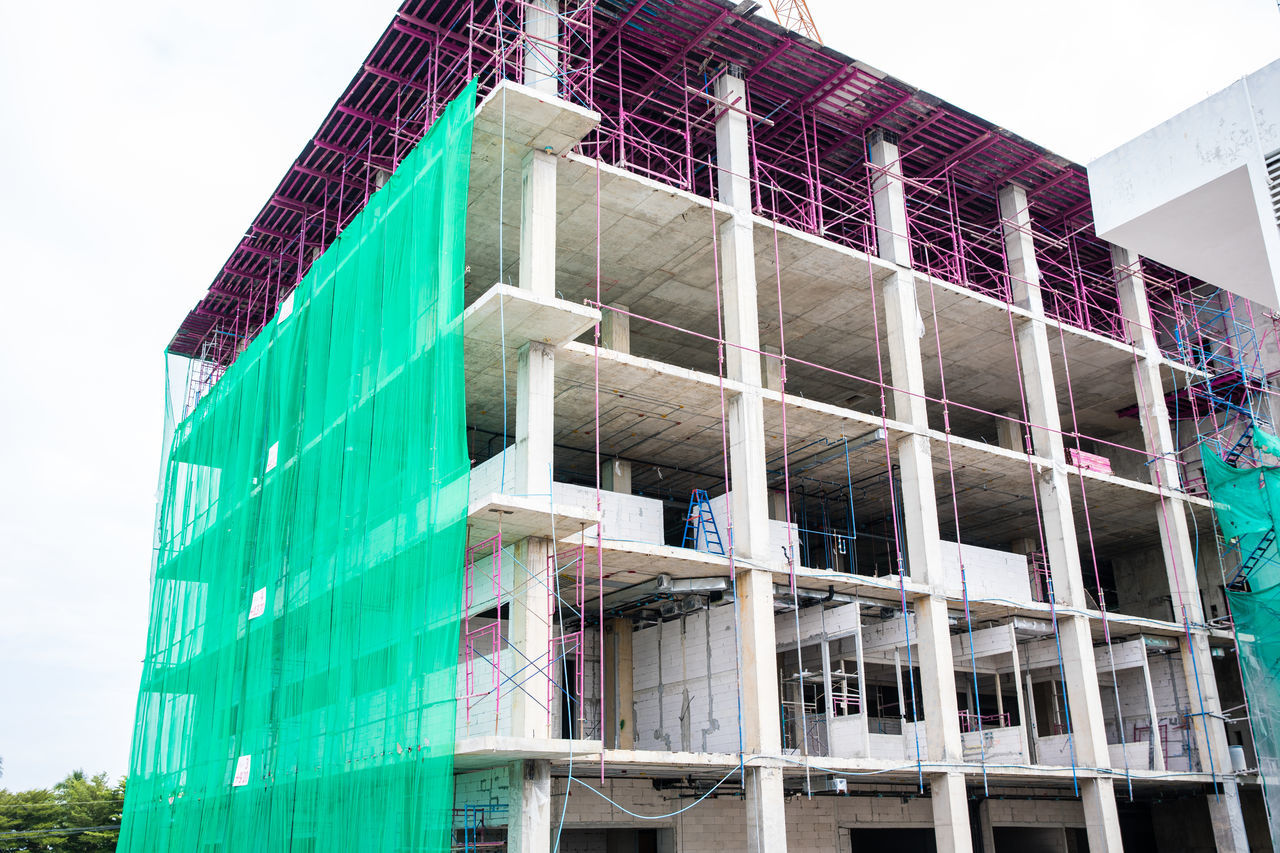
(1061, 546)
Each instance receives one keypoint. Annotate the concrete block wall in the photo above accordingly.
(814, 623)
(489, 714)
(590, 711)
(784, 538)
(818, 824)
(1173, 701)
(482, 595)
(626, 518)
(999, 744)
(497, 474)
(1132, 690)
(488, 787)
(988, 573)
(685, 683)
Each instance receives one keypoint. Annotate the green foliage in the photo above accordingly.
(76, 815)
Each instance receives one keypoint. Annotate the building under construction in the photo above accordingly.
(631, 425)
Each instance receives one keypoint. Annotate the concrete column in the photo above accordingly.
(919, 502)
(615, 334)
(619, 690)
(529, 627)
(1009, 434)
(615, 329)
(529, 815)
(535, 419)
(737, 253)
(529, 634)
(1175, 538)
(615, 475)
(1062, 548)
(988, 832)
(766, 815)
(771, 366)
(538, 223)
(542, 46)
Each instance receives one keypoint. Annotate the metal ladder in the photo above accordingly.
(1237, 450)
(1251, 562)
(701, 524)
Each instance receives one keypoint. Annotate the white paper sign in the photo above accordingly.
(273, 453)
(242, 771)
(286, 308)
(258, 605)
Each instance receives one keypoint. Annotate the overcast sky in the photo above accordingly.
(138, 139)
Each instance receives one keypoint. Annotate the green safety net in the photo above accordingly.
(298, 691)
(1246, 503)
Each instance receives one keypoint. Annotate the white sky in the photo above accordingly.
(138, 139)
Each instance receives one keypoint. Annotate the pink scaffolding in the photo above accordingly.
(483, 642)
(566, 579)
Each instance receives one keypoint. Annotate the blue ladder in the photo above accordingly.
(701, 524)
(1237, 450)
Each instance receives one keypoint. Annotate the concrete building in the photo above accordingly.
(831, 480)
(1201, 191)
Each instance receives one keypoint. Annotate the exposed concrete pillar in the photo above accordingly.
(615, 328)
(542, 45)
(529, 634)
(615, 334)
(1175, 538)
(1061, 546)
(766, 814)
(529, 815)
(771, 367)
(538, 223)
(919, 502)
(529, 627)
(1009, 434)
(615, 475)
(535, 419)
(619, 691)
(988, 832)
(737, 253)
(766, 807)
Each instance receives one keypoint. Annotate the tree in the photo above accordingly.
(81, 814)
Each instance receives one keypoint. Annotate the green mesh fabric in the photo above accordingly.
(298, 691)
(1246, 503)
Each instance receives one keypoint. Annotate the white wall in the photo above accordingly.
(988, 573)
(1192, 193)
(685, 683)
